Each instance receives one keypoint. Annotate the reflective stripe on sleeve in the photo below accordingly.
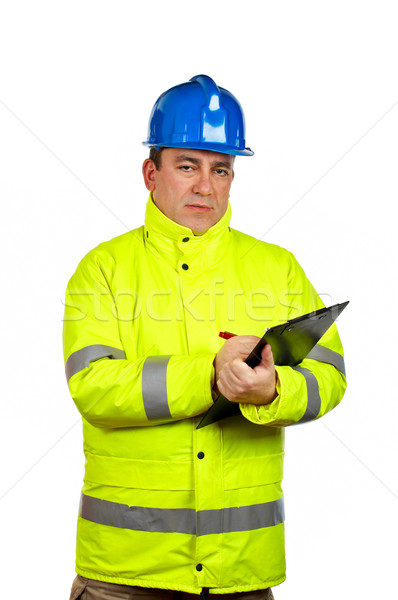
(82, 358)
(313, 397)
(326, 355)
(154, 387)
(182, 520)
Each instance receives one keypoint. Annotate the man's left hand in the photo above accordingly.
(240, 383)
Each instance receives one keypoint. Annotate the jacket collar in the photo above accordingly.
(198, 251)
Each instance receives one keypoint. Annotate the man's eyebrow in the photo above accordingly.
(220, 163)
(186, 157)
(197, 161)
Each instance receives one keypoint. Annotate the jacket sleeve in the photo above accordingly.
(315, 386)
(111, 390)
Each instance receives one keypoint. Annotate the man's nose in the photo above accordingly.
(202, 184)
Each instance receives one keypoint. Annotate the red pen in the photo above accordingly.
(226, 335)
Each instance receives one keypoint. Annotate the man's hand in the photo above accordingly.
(236, 380)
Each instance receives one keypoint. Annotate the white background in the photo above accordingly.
(318, 83)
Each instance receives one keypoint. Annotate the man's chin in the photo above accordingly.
(200, 226)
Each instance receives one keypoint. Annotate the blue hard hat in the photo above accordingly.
(199, 115)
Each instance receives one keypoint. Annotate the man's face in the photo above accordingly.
(191, 187)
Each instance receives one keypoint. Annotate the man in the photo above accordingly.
(168, 510)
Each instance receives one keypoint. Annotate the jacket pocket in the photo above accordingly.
(253, 471)
(139, 474)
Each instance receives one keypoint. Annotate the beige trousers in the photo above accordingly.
(90, 589)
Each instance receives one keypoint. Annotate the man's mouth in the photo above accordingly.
(199, 207)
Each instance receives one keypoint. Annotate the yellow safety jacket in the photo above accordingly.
(165, 505)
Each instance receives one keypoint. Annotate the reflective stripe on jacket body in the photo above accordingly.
(163, 504)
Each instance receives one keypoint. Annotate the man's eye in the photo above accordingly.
(186, 168)
(222, 172)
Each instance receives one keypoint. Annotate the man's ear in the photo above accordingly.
(149, 173)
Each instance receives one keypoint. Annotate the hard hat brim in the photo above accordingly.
(212, 147)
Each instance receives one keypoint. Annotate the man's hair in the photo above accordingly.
(155, 154)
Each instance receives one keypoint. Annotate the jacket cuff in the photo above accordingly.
(273, 413)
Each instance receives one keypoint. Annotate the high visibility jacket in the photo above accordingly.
(163, 504)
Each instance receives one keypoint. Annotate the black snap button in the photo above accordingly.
(201, 454)
(185, 239)
(185, 267)
(199, 567)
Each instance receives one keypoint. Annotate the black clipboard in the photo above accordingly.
(290, 343)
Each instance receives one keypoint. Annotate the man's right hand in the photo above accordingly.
(238, 346)
(236, 380)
